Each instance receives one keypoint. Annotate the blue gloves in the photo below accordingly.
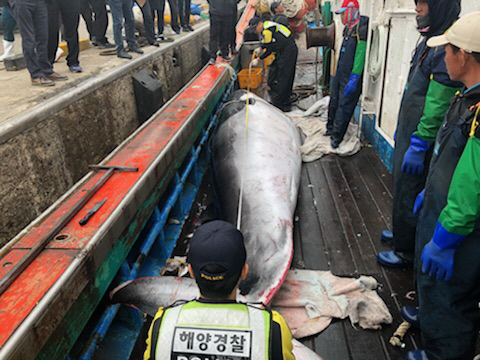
(438, 254)
(351, 85)
(415, 156)
(417, 206)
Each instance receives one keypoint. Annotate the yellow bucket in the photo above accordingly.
(254, 80)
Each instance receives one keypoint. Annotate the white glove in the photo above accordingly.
(255, 62)
(257, 52)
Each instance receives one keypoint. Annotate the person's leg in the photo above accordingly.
(346, 108)
(70, 10)
(214, 35)
(9, 23)
(174, 15)
(224, 35)
(24, 12)
(160, 16)
(101, 20)
(148, 22)
(53, 7)
(87, 15)
(449, 313)
(127, 6)
(40, 21)
(117, 15)
(333, 104)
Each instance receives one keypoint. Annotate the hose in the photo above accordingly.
(377, 51)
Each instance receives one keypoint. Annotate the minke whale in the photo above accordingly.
(259, 159)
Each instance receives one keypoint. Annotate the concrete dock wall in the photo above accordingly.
(47, 149)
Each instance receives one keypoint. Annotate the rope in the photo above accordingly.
(242, 175)
(398, 335)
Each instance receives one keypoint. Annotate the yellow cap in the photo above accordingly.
(463, 34)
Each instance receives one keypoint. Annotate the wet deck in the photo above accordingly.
(343, 206)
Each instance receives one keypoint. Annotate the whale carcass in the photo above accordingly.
(257, 165)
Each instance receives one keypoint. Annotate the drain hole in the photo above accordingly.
(61, 237)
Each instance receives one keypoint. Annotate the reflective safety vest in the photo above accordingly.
(278, 27)
(199, 331)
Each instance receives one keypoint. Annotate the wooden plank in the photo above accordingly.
(331, 343)
(313, 247)
(338, 253)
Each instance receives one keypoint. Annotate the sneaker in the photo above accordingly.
(42, 81)
(123, 55)
(76, 68)
(154, 43)
(163, 38)
(177, 31)
(211, 61)
(190, 28)
(56, 77)
(136, 50)
(186, 28)
(226, 58)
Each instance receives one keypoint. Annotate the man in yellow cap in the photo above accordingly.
(448, 232)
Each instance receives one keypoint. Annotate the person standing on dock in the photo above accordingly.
(278, 39)
(9, 23)
(122, 9)
(32, 19)
(158, 8)
(184, 10)
(448, 232)
(216, 324)
(70, 15)
(425, 100)
(221, 16)
(346, 85)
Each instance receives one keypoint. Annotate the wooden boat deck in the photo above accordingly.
(343, 206)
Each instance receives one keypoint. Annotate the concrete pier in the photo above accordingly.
(48, 137)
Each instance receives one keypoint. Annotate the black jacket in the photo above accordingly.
(222, 7)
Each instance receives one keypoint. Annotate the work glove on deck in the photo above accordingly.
(439, 253)
(417, 206)
(414, 158)
(351, 85)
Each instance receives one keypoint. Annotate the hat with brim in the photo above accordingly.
(462, 34)
(254, 22)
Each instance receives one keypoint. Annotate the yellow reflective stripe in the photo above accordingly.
(201, 305)
(278, 27)
(267, 36)
(475, 122)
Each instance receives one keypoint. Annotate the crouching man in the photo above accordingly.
(216, 325)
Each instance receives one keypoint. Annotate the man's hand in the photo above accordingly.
(439, 253)
(351, 85)
(417, 206)
(257, 52)
(414, 158)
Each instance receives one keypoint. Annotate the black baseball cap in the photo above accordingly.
(274, 5)
(217, 242)
(254, 21)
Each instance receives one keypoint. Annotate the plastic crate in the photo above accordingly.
(254, 80)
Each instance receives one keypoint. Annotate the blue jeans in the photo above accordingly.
(9, 23)
(122, 9)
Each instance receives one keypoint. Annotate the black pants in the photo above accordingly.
(87, 15)
(233, 23)
(282, 80)
(148, 22)
(220, 37)
(341, 107)
(70, 12)
(100, 21)
(158, 7)
(32, 19)
(184, 10)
